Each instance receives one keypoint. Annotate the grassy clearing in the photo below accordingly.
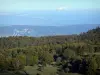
(32, 70)
(49, 70)
(72, 74)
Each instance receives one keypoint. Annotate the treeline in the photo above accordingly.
(92, 36)
(72, 53)
(23, 41)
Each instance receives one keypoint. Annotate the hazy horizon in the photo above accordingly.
(51, 18)
(49, 12)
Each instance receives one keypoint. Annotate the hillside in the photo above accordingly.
(66, 54)
(22, 41)
(92, 35)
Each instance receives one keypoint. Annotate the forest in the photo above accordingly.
(51, 55)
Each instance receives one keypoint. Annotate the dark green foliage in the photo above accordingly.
(92, 66)
(72, 53)
(68, 53)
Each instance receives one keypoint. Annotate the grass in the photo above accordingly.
(33, 70)
(49, 70)
(72, 74)
(9, 73)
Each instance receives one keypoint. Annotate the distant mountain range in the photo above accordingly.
(28, 30)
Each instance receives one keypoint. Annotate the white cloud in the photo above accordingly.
(61, 8)
(21, 32)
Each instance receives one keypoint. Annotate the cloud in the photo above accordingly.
(61, 8)
(21, 32)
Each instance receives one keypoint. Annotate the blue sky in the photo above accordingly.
(29, 5)
(49, 12)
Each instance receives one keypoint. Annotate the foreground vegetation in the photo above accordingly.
(52, 55)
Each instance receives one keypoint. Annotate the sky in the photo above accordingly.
(30, 5)
(49, 12)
